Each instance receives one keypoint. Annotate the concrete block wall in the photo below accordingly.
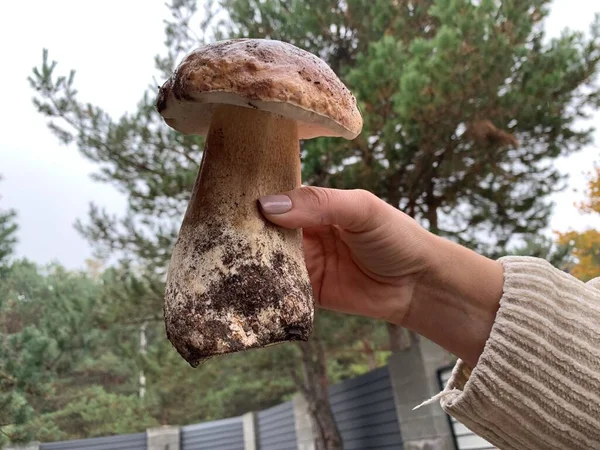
(414, 379)
(250, 431)
(30, 446)
(304, 424)
(163, 438)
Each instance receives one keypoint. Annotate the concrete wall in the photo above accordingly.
(303, 424)
(30, 446)
(414, 379)
(163, 438)
(250, 427)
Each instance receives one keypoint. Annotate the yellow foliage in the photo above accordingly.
(592, 204)
(586, 244)
(586, 250)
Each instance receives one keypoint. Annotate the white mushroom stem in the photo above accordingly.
(236, 281)
(248, 153)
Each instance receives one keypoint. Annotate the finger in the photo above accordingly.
(305, 207)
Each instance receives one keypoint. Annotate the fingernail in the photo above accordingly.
(275, 204)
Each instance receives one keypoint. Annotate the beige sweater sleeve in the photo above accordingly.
(536, 385)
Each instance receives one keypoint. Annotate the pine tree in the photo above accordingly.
(44, 332)
(465, 105)
(8, 229)
(557, 254)
(66, 370)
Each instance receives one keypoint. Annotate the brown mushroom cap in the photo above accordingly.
(263, 74)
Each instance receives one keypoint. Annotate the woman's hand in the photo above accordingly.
(365, 257)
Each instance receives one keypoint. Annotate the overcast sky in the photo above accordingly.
(111, 44)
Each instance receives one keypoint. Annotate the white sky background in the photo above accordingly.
(111, 44)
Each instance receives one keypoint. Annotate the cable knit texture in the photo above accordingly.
(536, 385)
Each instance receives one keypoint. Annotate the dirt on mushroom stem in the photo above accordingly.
(236, 281)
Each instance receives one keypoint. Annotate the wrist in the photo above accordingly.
(456, 300)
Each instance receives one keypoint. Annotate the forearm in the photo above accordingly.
(455, 302)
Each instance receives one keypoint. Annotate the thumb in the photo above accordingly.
(352, 210)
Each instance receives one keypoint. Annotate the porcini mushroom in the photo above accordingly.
(236, 281)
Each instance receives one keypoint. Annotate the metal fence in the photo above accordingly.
(276, 428)
(135, 441)
(365, 412)
(226, 434)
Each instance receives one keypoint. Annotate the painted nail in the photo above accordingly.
(275, 204)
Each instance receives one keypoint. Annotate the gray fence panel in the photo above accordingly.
(226, 434)
(465, 439)
(365, 412)
(135, 441)
(277, 428)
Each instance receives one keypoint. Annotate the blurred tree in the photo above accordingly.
(465, 103)
(45, 331)
(8, 229)
(586, 250)
(94, 412)
(586, 244)
(557, 254)
(68, 368)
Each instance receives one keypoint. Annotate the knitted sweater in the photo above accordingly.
(536, 385)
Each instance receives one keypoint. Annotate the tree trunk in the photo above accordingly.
(314, 388)
(432, 207)
(370, 354)
(399, 339)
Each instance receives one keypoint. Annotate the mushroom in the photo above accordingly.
(235, 281)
